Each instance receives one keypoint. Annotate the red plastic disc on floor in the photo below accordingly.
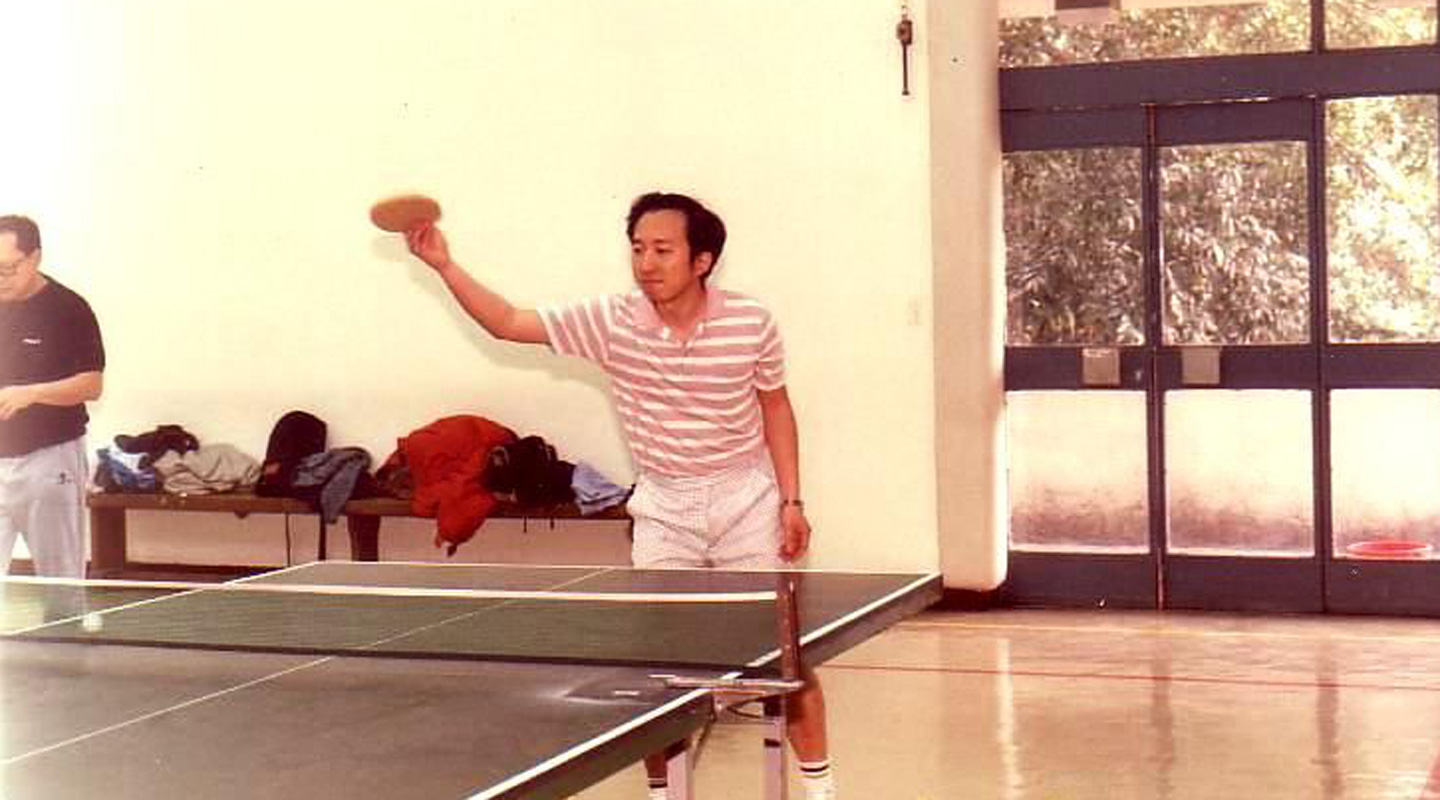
(1389, 548)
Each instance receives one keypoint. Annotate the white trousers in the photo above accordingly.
(728, 521)
(42, 497)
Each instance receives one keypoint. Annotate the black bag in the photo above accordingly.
(156, 443)
(527, 473)
(295, 436)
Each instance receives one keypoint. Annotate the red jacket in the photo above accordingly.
(447, 461)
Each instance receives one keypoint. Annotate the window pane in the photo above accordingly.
(1238, 468)
(1385, 470)
(1384, 219)
(1073, 247)
(1031, 36)
(1377, 23)
(1235, 241)
(1077, 471)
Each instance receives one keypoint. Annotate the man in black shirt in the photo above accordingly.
(51, 363)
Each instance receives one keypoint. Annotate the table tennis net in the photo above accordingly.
(721, 627)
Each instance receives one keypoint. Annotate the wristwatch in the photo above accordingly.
(800, 504)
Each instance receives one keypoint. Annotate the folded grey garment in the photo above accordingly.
(211, 469)
(335, 472)
(593, 491)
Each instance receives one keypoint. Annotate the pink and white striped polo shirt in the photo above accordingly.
(688, 408)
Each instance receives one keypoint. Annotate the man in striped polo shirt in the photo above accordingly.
(698, 379)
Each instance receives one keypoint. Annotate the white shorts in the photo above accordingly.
(42, 497)
(730, 520)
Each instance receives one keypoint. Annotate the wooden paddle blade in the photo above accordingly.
(401, 213)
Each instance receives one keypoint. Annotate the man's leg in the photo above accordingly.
(11, 509)
(54, 518)
(809, 736)
(746, 534)
(8, 534)
(667, 523)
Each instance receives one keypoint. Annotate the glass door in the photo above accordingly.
(1382, 365)
(1222, 368)
(1162, 370)
(1236, 375)
(1077, 369)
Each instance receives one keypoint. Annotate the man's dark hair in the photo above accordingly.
(704, 231)
(27, 233)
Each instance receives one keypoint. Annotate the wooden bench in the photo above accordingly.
(108, 534)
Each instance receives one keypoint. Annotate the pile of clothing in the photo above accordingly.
(297, 464)
(172, 459)
(457, 470)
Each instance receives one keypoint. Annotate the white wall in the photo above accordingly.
(969, 295)
(202, 169)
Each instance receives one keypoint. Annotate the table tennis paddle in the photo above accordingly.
(404, 212)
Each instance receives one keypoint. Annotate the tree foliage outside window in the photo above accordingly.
(1241, 27)
(1368, 23)
(1074, 247)
(1276, 26)
(1235, 250)
(1383, 226)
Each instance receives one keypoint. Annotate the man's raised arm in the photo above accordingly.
(494, 313)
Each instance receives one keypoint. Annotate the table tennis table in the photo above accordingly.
(385, 680)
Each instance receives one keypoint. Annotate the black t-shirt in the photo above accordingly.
(50, 336)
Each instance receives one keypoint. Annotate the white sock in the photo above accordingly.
(816, 778)
(658, 790)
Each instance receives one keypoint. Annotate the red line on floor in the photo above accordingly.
(1435, 776)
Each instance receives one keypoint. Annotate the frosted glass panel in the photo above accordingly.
(1385, 468)
(1077, 471)
(1239, 466)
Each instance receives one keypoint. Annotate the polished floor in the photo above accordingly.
(1025, 705)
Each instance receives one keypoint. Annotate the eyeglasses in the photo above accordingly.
(13, 268)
